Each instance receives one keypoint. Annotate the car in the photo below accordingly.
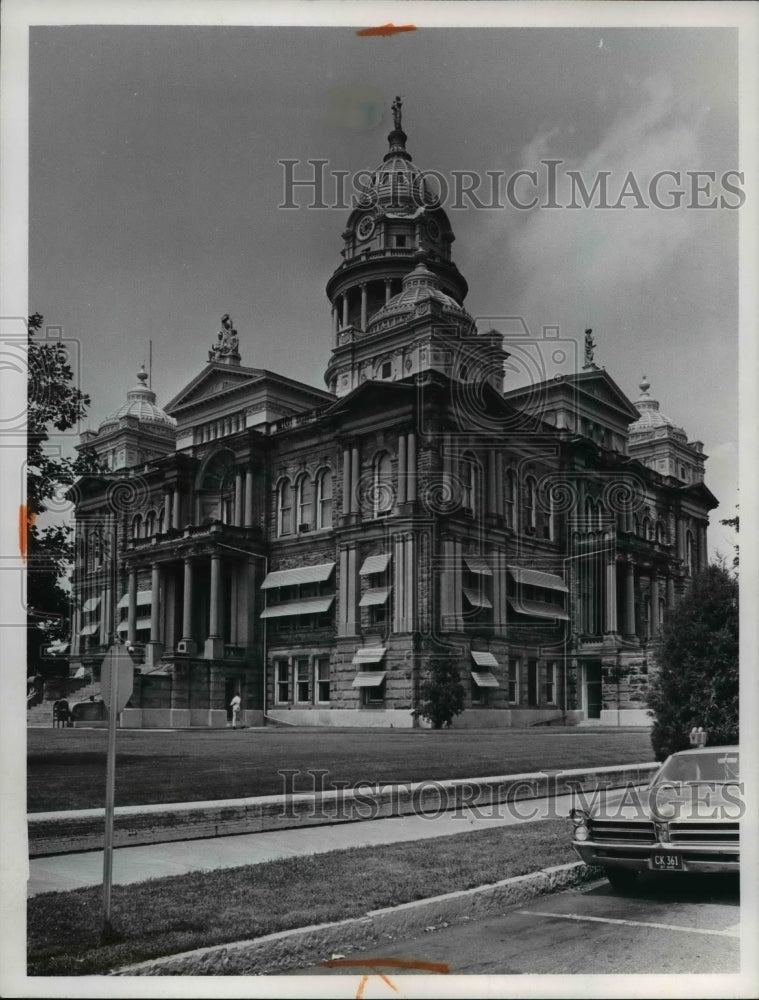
(686, 820)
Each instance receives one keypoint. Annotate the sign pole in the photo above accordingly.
(110, 787)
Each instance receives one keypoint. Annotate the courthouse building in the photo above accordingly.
(316, 550)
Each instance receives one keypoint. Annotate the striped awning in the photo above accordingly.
(538, 609)
(299, 575)
(140, 625)
(306, 606)
(476, 599)
(143, 597)
(477, 564)
(537, 578)
(483, 659)
(484, 679)
(90, 629)
(369, 654)
(378, 595)
(374, 564)
(369, 678)
(91, 604)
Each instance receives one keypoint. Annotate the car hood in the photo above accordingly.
(698, 801)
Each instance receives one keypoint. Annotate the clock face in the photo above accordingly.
(365, 228)
(433, 229)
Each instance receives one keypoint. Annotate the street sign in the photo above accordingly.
(117, 674)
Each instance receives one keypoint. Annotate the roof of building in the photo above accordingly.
(140, 404)
(420, 286)
(651, 416)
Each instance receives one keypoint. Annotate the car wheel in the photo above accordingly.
(622, 879)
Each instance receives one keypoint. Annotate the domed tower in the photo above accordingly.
(656, 441)
(135, 432)
(397, 218)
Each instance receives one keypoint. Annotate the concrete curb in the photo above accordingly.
(304, 946)
(82, 830)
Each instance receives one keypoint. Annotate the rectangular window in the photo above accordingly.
(374, 696)
(551, 682)
(282, 683)
(322, 678)
(400, 241)
(513, 681)
(302, 672)
(532, 683)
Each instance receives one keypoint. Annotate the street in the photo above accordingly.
(667, 926)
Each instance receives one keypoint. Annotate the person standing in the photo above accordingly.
(235, 704)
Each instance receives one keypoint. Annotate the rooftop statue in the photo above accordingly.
(227, 341)
(396, 108)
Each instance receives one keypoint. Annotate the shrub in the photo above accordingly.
(441, 693)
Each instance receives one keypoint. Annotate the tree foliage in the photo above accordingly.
(697, 681)
(441, 693)
(54, 403)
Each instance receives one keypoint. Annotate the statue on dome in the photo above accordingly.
(227, 341)
(589, 348)
(396, 108)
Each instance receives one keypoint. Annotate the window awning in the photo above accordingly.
(476, 599)
(484, 659)
(538, 609)
(378, 595)
(374, 564)
(537, 578)
(369, 654)
(369, 678)
(484, 679)
(306, 606)
(140, 625)
(297, 576)
(143, 597)
(90, 629)
(91, 604)
(56, 648)
(477, 564)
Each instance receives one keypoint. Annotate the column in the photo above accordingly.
(132, 607)
(238, 498)
(388, 289)
(335, 322)
(629, 622)
(411, 464)
(399, 585)
(363, 305)
(492, 480)
(352, 573)
(354, 481)
(401, 468)
(670, 593)
(175, 514)
(410, 582)
(187, 643)
(167, 511)
(499, 502)
(214, 644)
(345, 308)
(156, 647)
(248, 523)
(346, 481)
(655, 623)
(611, 595)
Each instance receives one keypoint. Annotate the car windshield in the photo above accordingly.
(719, 766)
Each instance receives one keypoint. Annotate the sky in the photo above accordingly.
(155, 190)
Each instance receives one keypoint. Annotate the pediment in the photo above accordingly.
(214, 380)
(602, 388)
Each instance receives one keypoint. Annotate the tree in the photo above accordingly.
(697, 680)
(53, 402)
(441, 693)
(734, 522)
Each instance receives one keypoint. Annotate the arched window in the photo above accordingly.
(601, 512)
(305, 502)
(227, 505)
(383, 494)
(468, 477)
(150, 524)
(646, 528)
(661, 535)
(137, 526)
(531, 503)
(284, 508)
(324, 499)
(510, 494)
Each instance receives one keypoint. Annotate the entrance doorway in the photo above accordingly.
(593, 689)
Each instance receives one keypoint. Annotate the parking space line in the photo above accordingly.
(731, 932)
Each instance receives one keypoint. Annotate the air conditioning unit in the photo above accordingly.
(304, 527)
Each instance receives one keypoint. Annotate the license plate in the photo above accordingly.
(667, 862)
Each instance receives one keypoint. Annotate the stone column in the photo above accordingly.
(363, 305)
(354, 500)
(156, 645)
(388, 289)
(411, 464)
(132, 607)
(670, 593)
(346, 481)
(248, 523)
(335, 321)
(611, 595)
(401, 468)
(214, 645)
(175, 515)
(167, 511)
(187, 641)
(629, 595)
(655, 623)
(238, 498)
(345, 308)
(492, 480)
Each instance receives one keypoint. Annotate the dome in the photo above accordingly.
(651, 416)
(420, 287)
(140, 404)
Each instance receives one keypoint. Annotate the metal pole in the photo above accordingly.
(110, 785)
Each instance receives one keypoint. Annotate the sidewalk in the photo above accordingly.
(61, 873)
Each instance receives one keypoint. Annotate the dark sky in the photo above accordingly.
(155, 186)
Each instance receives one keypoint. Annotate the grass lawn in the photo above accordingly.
(170, 915)
(66, 767)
